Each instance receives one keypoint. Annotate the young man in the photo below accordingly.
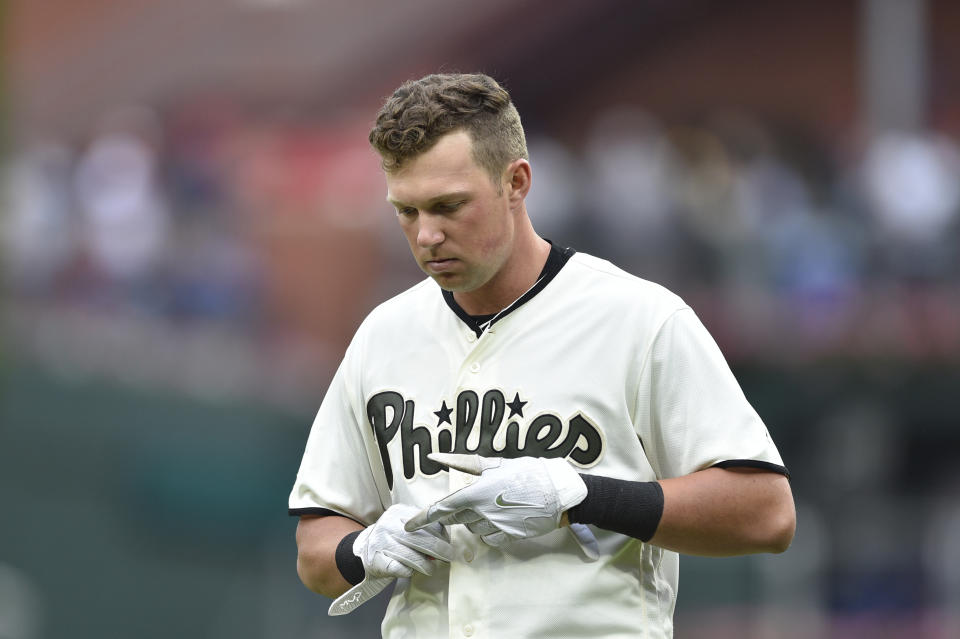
(526, 439)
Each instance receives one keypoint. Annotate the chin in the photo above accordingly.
(453, 283)
(448, 284)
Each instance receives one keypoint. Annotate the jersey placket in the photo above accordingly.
(466, 607)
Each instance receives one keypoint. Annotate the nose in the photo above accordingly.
(429, 231)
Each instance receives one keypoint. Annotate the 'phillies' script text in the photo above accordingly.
(478, 426)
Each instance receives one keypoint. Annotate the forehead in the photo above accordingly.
(447, 166)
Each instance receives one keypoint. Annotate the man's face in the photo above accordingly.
(460, 229)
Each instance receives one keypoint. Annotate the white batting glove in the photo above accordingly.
(512, 499)
(388, 551)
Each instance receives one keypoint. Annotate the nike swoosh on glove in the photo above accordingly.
(389, 551)
(512, 498)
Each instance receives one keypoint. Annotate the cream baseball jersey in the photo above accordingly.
(613, 373)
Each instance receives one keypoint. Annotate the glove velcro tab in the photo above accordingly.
(570, 487)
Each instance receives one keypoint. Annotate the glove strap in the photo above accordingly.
(569, 485)
(359, 594)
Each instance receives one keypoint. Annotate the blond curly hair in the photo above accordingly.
(422, 111)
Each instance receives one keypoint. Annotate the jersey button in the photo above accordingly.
(468, 630)
(475, 367)
(471, 337)
(468, 555)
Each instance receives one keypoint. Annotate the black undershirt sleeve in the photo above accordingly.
(630, 508)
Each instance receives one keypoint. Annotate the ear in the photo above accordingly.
(517, 178)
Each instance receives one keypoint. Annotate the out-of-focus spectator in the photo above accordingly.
(814, 262)
(126, 220)
(213, 274)
(911, 185)
(554, 204)
(631, 169)
(199, 139)
(38, 235)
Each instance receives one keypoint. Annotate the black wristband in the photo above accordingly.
(349, 565)
(630, 508)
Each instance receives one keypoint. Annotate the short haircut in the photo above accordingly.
(422, 111)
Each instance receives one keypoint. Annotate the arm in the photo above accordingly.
(317, 539)
(368, 561)
(719, 512)
(699, 414)
(714, 512)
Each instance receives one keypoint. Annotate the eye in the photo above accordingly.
(406, 211)
(448, 207)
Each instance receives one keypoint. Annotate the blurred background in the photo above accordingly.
(192, 226)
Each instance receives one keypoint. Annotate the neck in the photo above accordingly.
(515, 278)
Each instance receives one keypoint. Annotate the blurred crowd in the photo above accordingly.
(264, 227)
(163, 214)
(772, 232)
(213, 249)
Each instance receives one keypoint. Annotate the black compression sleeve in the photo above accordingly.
(630, 508)
(349, 565)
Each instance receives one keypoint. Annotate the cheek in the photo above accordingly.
(493, 243)
(498, 235)
(493, 228)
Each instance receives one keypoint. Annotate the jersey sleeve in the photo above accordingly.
(335, 475)
(698, 414)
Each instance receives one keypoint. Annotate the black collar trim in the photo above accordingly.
(555, 261)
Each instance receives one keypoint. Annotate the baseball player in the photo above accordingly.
(525, 440)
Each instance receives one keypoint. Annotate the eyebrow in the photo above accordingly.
(434, 200)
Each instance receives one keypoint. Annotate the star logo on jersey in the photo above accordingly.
(443, 415)
(516, 406)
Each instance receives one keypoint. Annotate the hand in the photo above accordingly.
(388, 551)
(512, 499)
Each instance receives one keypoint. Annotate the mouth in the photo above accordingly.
(440, 265)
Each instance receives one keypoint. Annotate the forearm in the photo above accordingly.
(714, 512)
(720, 512)
(317, 540)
